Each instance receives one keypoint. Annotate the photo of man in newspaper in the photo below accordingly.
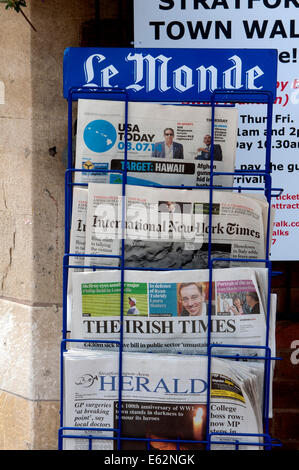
(169, 148)
(171, 207)
(205, 152)
(133, 310)
(137, 299)
(191, 299)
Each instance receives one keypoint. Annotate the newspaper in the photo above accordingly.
(169, 228)
(77, 239)
(166, 144)
(162, 400)
(169, 311)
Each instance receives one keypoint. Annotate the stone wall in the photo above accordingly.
(33, 123)
(33, 127)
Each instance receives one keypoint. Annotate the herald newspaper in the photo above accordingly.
(163, 401)
(166, 144)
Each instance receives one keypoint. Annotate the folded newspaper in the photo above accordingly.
(166, 144)
(162, 401)
(169, 311)
(169, 229)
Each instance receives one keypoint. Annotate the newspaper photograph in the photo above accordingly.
(169, 228)
(169, 312)
(166, 144)
(161, 401)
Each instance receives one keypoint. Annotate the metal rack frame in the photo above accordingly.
(227, 97)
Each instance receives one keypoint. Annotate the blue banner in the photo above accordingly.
(169, 74)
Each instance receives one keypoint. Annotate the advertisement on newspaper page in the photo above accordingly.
(166, 144)
(169, 311)
(166, 399)
(167, 228)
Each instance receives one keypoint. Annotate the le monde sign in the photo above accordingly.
(168, 74)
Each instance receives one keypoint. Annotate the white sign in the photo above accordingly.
(245, 24)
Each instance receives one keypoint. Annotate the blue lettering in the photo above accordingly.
(176, 387)
(140, 385)
(198, 389)
(103, 383)
(163, 386)
(127, 380)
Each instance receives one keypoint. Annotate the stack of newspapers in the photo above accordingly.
(158, 330)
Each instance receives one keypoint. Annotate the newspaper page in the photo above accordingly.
(169, 229)
(78, 225)
(166, 144)
(77, 239)
(169, 311)
(161, 401)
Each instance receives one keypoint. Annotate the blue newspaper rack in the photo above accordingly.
(213, 77)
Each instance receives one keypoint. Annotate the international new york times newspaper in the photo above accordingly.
(162, 400)
(166, 144)
(169, 229)
(169, 311)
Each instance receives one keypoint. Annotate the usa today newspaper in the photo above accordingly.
(166, 144)
(163, 401)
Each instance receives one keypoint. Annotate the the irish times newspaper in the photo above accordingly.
(166, 144)
(170, 312)
(163, 400)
